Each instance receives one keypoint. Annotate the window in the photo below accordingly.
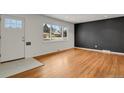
(65, 32)
(46, 31)
(54, 32)
(13, 23)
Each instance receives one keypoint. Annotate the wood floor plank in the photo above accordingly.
(93, 69)
(120, 60)
(102, 70)
(77, 63)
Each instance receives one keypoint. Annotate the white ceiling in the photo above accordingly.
(80, 18)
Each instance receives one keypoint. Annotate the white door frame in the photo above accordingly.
(0, 38)
(2, 25)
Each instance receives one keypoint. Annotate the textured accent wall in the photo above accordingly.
(103, 35)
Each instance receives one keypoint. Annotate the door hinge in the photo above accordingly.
(0, 37)
(0, 55)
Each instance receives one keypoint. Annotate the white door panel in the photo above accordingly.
(12, 39)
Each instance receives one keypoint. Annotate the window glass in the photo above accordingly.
(46, 31)
(19, 24)
(13, 23)
(7, 23)
(56, 32)
(65, 32)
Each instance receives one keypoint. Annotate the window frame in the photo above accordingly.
(62, 30)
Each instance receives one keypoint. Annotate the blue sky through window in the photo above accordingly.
(56, 28)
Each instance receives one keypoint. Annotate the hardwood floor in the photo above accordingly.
(77, 63)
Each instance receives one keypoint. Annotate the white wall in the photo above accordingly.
(0, 39)
(34, 33)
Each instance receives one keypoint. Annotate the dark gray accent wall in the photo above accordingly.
(103, 35)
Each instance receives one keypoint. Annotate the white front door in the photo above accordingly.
(12, 38)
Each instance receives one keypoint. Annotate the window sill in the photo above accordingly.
(50, 41)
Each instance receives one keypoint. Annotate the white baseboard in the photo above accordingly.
(102, 51)
(59, 50)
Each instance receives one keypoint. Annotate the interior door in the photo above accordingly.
(12, 38)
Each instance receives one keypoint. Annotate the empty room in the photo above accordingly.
(61, 46)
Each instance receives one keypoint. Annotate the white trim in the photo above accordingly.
(118, 53)
(52, 41)
(59, 50)
(101, 51)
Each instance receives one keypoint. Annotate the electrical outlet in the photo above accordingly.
(96, 46)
